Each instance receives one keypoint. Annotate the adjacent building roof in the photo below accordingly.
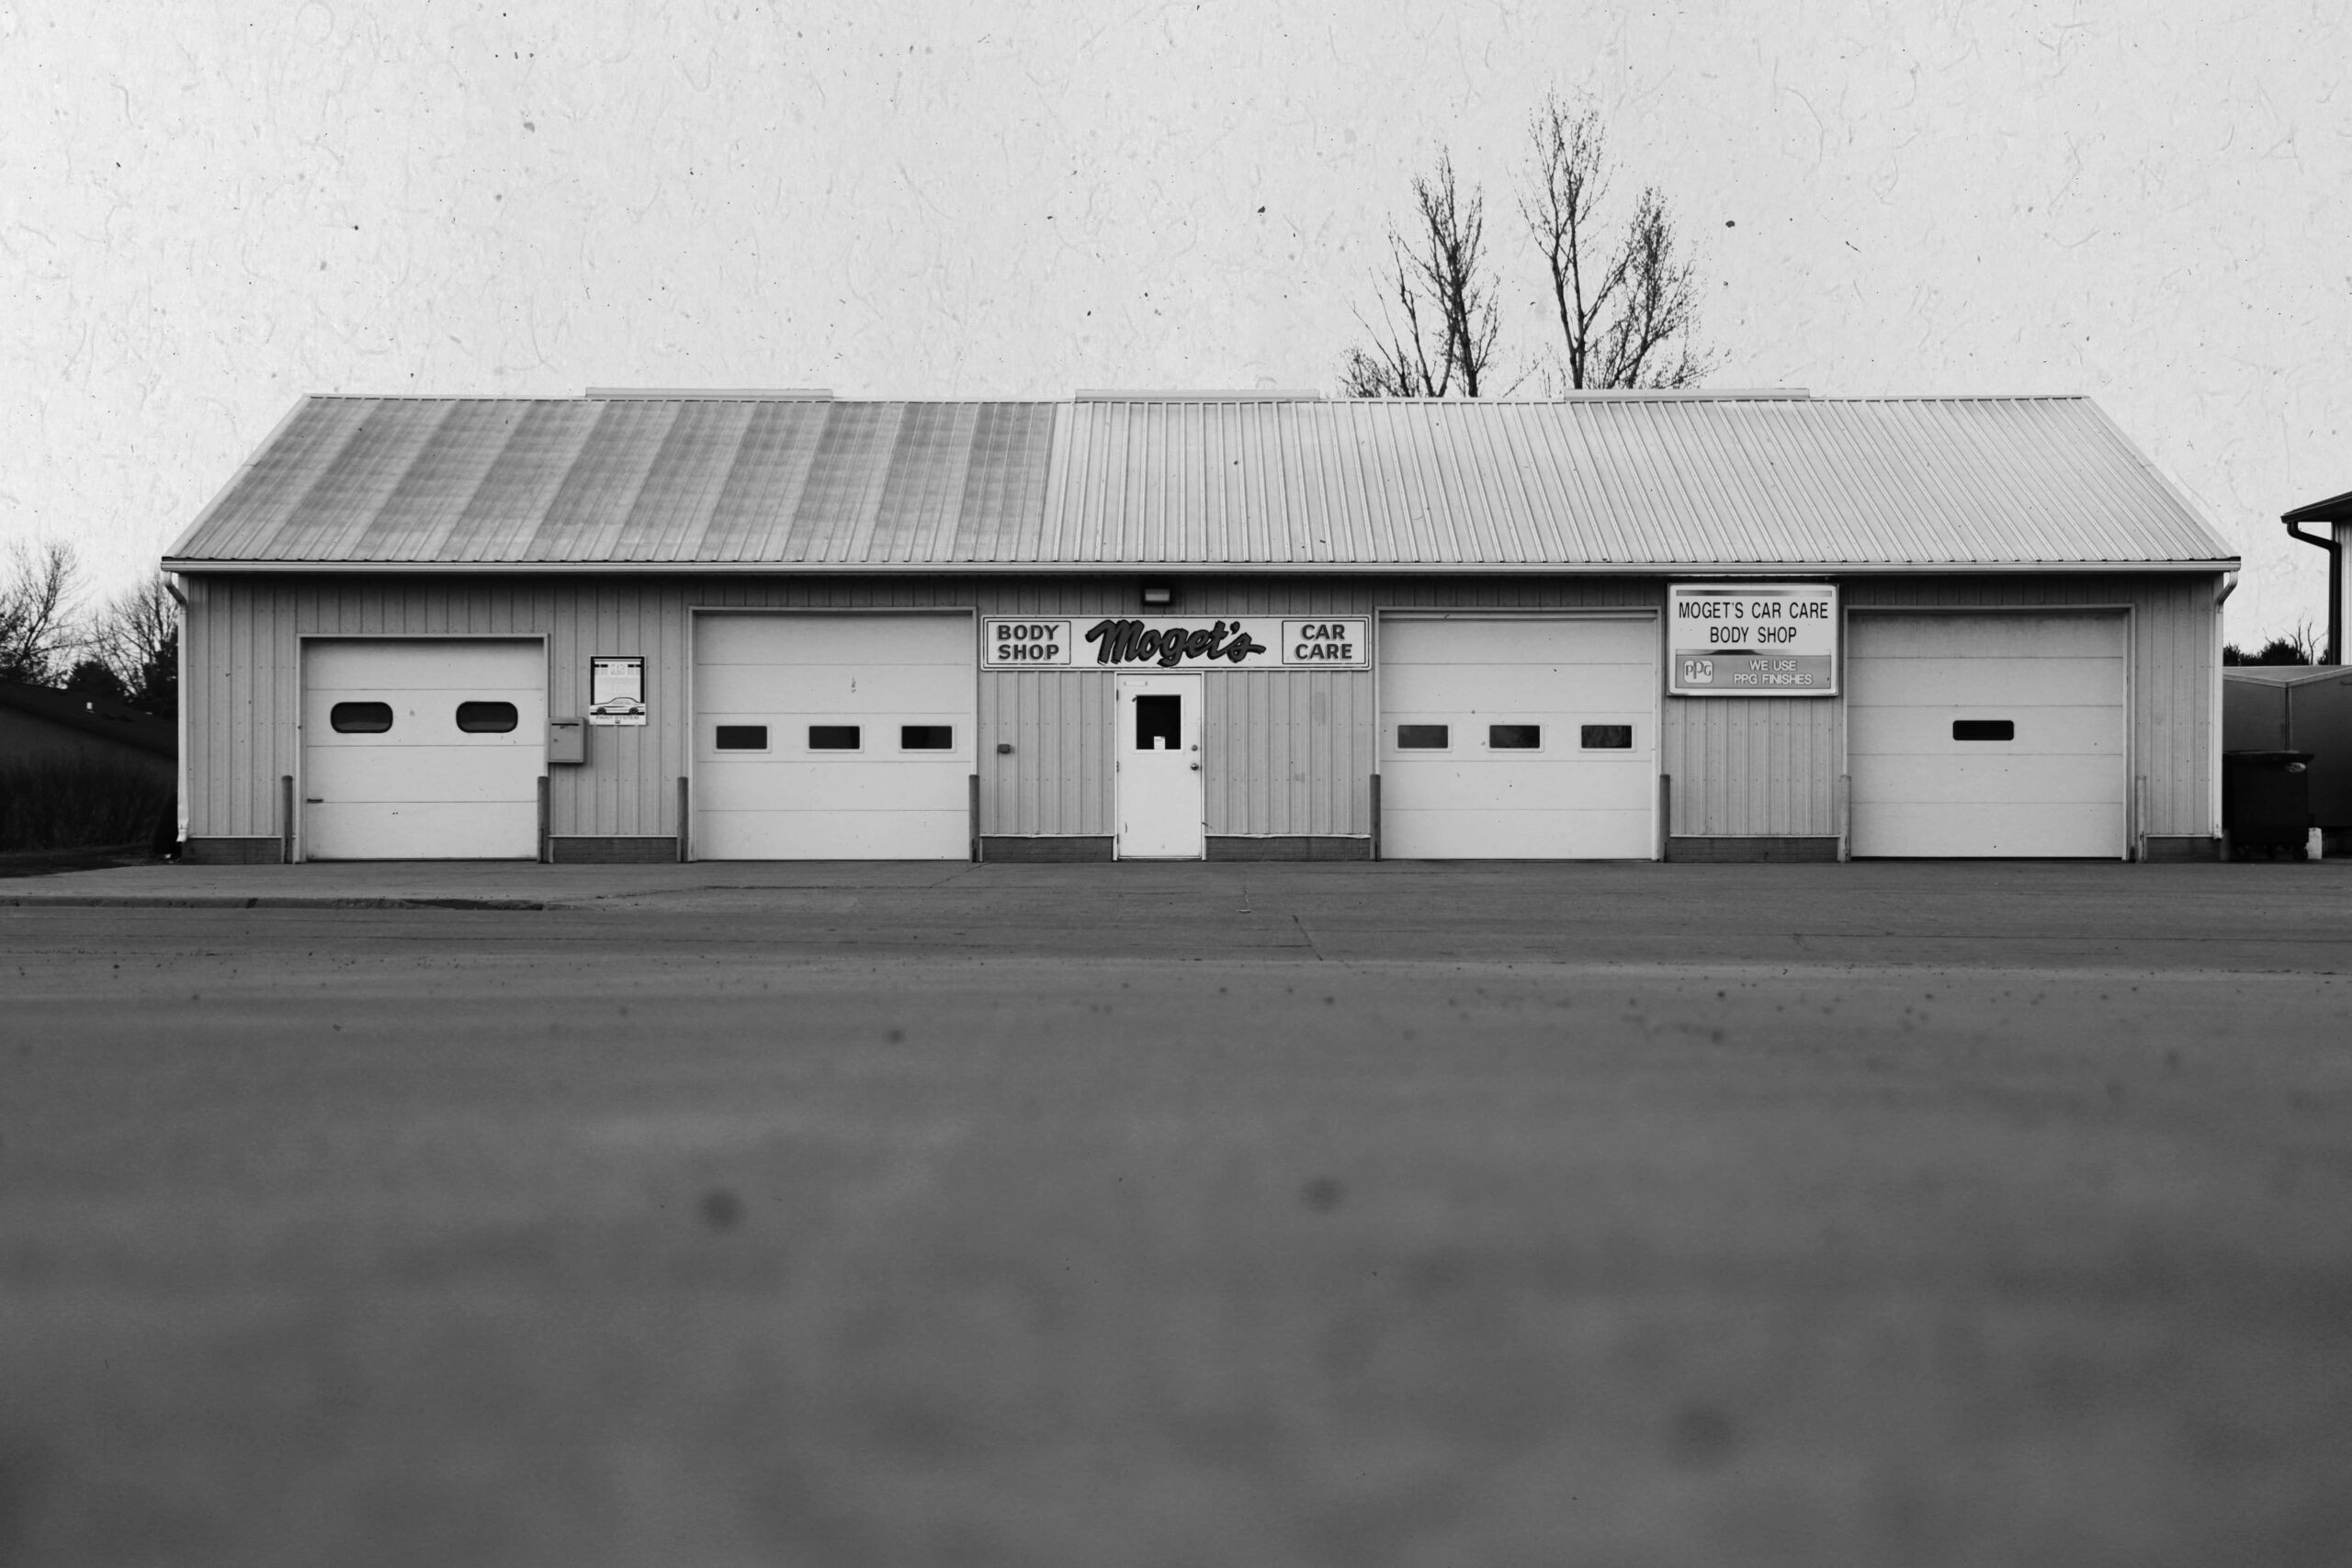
(2334, 509)
(102, 718)
(1675, 483)
(2286, 674)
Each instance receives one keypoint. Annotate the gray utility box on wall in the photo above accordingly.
(2296, 707)
(566, 741)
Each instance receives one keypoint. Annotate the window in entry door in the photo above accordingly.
(1159, 723)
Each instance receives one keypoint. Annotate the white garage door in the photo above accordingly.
(423, 750)
(1519, 738)
(821, 737)
(1986, 735)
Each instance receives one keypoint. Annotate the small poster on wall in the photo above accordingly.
(616, 689)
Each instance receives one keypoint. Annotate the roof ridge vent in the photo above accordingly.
(1687, 394)
(710, 394)
(1254, 395)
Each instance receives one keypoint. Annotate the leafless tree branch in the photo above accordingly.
(1628, 314)
(137, 636)
(1626, 302)
(1445, 293)
(37, 629)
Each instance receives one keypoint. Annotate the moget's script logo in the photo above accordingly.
(1134, 642)
(1125, 642)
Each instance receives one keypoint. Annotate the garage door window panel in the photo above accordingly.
(487, 717)
(1521, 693)
(360, 719)
(869, 736)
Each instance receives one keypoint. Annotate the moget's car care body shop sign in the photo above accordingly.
(1759, 639)
(1132, 642)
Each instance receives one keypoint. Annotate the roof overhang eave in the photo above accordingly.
(2334, 509)
(1100, 568)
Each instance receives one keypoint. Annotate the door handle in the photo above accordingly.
(1196, 767)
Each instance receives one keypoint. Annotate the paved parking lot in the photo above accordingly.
(1205, 1214)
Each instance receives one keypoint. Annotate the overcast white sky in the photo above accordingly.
(206, 210)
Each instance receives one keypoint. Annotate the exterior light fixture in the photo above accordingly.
(1159, 595)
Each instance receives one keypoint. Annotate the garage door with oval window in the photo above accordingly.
(422, 749)
(1986, 735)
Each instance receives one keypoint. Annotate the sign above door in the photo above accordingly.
(1129, 642)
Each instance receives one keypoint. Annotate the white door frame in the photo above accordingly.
(1167, 771)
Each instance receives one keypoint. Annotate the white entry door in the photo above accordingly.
(1159, 749)
(1982, 735)
(1519, 737)
(422, 748)
(833, 736)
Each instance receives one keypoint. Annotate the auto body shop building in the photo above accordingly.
(741, 625)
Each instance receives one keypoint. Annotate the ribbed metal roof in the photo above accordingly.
(1625, 483)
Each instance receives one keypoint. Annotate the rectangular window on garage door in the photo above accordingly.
(833, 735)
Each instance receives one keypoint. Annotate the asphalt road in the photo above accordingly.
(1192, 1214)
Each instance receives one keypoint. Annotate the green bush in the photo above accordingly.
(72, 803)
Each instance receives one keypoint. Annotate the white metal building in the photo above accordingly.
(737, 626)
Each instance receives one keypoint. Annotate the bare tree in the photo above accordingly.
(37, 629)
(2300, 644)
(1627, 312)
(138, 637)
(1438, 324)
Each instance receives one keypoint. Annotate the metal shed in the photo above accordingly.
(2296, 707)
(1132, 626)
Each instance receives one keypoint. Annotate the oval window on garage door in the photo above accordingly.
(360, 719)
(486, 719)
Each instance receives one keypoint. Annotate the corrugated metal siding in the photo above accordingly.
(2176, 646)
(466, 482)
(1615, 482)
(1753, 766)
(1290, 751)
(764, 483)
(244, 640)
(418, 517)
(1672, 483)
(1262, 776)
(1058, 779)
(1745, 767)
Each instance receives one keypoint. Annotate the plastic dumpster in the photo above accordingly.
(2266, 800)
